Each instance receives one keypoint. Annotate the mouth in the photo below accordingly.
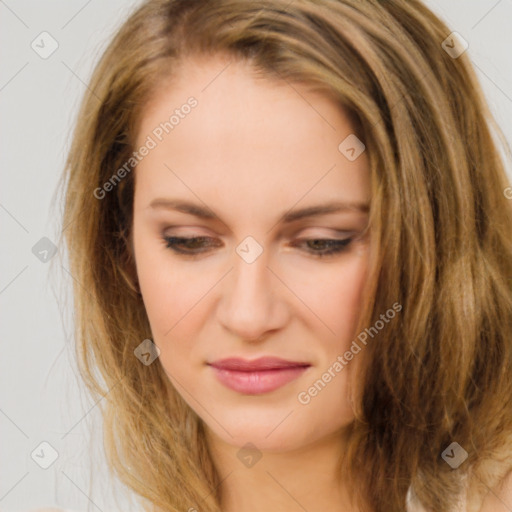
(257, 376)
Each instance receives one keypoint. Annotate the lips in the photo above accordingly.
(260, 364)
(257, 376)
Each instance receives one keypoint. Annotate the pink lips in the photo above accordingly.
(257, 376)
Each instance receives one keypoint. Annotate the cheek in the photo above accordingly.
(344, 304)
(333, 292)
(171, 291)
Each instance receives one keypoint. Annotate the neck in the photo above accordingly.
(307, 478)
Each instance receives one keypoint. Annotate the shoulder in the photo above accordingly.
(499, 499)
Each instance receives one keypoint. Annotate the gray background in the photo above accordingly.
(41, 397)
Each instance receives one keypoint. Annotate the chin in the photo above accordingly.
(258, 437)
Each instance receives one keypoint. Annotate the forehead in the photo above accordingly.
(247, 137)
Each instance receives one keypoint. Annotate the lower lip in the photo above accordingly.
(258, 382)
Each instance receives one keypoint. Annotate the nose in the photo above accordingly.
(252, 304)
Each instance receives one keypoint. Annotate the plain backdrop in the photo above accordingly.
(41, 400)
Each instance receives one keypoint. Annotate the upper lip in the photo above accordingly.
(262, 363)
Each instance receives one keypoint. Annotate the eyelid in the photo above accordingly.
(330, 232)
(335, 234)
(201, 231)
(332, 249)
(188, 232)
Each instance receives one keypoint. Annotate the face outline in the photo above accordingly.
(250, 151)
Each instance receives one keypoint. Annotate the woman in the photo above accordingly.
(290, 227)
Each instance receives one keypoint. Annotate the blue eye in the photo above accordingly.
(318, 247)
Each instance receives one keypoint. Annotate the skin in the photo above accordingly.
(498, 499)
(251, 150)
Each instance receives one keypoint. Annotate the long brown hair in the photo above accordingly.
(441, 243)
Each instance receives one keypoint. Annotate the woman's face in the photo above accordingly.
(252, 154)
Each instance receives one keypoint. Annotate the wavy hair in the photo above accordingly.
(441, 245)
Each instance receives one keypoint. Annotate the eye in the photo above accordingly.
(190, 245)
(318, 247)
(323, 247)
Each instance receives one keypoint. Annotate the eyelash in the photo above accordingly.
(335, 246)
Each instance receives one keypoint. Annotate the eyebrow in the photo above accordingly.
(288, 216)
